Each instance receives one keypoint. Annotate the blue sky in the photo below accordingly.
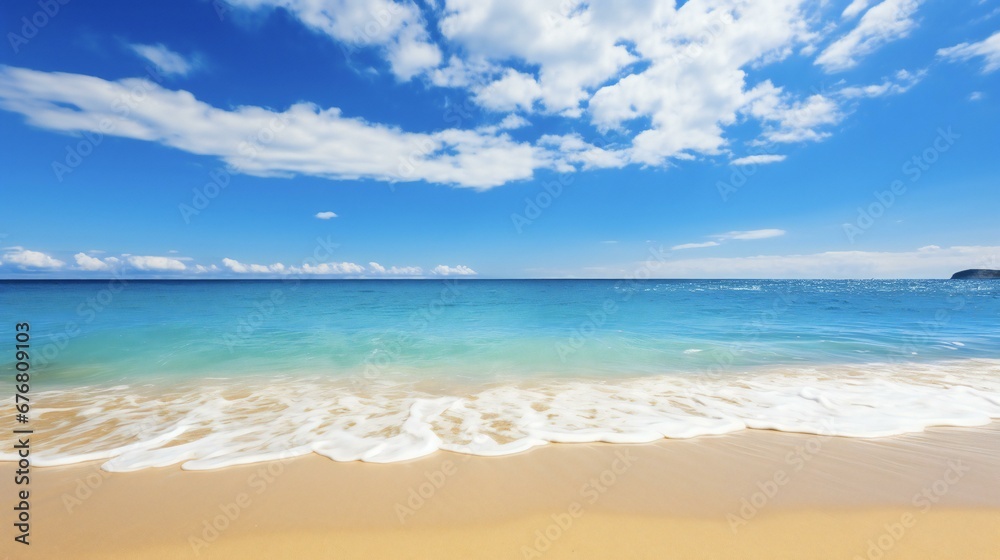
(499, 139)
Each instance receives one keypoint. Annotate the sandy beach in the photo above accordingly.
(752, 494)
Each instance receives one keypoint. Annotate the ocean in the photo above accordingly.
(207, 374)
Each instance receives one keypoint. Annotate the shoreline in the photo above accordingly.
(227, 422)
(752, 494)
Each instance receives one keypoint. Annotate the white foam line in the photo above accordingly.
(217, 424)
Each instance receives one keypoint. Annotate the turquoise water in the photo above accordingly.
(93, 332)
(215, 373)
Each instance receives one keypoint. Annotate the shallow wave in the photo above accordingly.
(222, 422)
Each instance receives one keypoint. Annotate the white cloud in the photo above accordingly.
(855, 8)
(514, 90)
(738, 235)
(25, 259)
(758, 159)
(326, 268)
(694, 245)
(886, 22)
(976, 96)
(302, 139)
(661, 81)
(240, 268)
(396, 28)
(460, 270)
(927, 262)
(86, 262)
(157, 264)
(789, 120)
(376, 268)
(901, 82)
(752, 234)
(575, 47)
(325, 215)
(513, 121)
(674, 73)
(988, 49)
(166, 61)
(574, 150)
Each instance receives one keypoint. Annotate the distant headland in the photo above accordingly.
(976, 274)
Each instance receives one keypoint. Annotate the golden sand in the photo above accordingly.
(753, 494)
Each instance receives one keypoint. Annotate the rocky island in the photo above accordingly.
(976, 274)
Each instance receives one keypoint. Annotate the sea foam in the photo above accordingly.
(223, 422)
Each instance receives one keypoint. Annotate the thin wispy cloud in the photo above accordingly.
(751, 234)
(326, 215)
(988, 50)
(684, 246)
(855, 8)
(758, 159)
(165, 60)
(732, 235)
(900, 83)
(926, 262)
(884, 23)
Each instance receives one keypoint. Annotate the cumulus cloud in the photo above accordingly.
(326, 268)
(26, 259)
(89, 263)
(380, 270)
(669, 78)
(165, 60)
(886, 22)
(988, 49)
(460, 270)
(789, 120)
(575, 150)
(659, 81)
(325, 215)
(515, 90)
(240, 268)
(396, 28)
(513, 121)
(34, 260)
(155, 264)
